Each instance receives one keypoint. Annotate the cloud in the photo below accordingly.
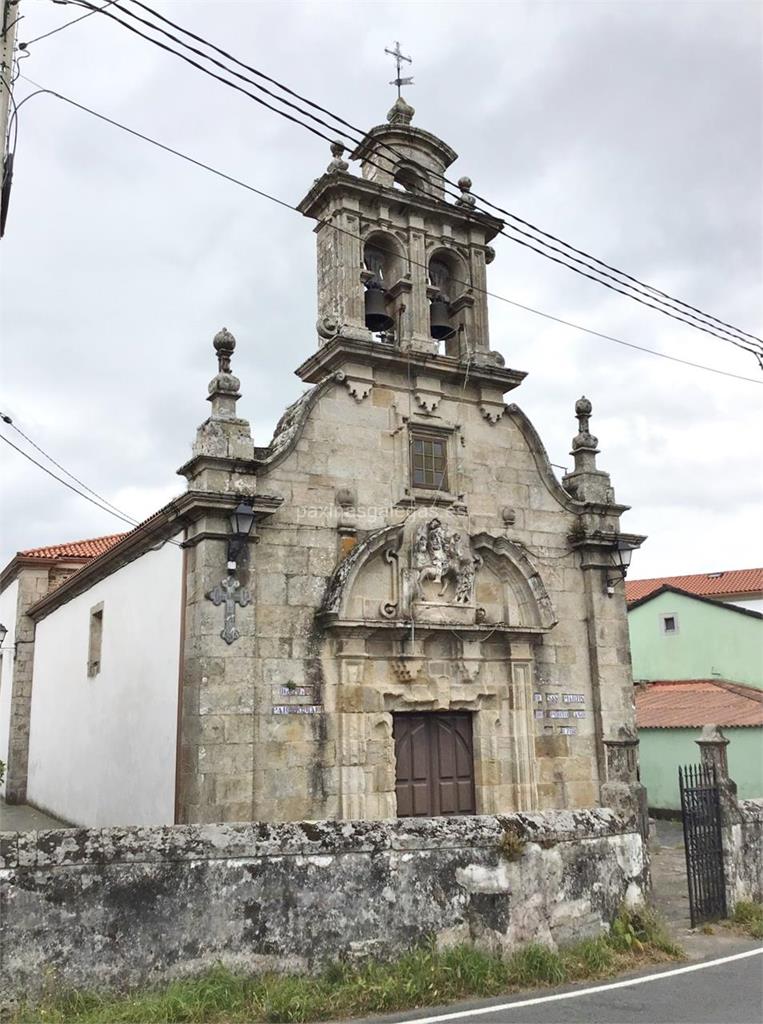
(633, 130)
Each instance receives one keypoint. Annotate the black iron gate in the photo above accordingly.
(701, 810)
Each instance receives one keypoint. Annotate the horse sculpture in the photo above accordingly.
(443, 557)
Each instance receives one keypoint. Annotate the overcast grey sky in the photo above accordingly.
(631, 129)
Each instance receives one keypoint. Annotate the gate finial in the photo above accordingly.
(712, 745)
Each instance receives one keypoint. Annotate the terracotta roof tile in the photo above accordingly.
(76, 548)
(697, 702)
(705, 584)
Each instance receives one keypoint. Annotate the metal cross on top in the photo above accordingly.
(230, 593)
(399, 58)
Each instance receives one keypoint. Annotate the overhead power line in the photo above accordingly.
(358, 131)
(707, 323)
(66, 24)
(345, 231)
(103, 508)
(123, 515)
(102, 503)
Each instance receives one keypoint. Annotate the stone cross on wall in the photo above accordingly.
(230, 593)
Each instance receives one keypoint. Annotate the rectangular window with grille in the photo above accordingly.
(669, 624)
(429, 463)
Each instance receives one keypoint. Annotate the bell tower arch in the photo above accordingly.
(399, 262)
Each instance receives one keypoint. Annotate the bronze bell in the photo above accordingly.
(377, 317)
(439, 322)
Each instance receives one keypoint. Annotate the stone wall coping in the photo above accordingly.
(93, 847)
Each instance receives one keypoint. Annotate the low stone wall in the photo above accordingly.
(743, 852)
(115, 908)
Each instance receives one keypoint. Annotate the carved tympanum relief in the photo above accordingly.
(443, 557)
(431, 570)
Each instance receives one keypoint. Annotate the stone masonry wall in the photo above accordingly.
(362, 445)
(116, 908)
(33, 584)
(743, 852)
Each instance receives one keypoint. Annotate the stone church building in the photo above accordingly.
(395, 608)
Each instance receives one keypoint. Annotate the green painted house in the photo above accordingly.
(696, 662)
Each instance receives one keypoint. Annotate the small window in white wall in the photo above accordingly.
(669, 624)
(95, 641)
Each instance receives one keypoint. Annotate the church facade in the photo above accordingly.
(412, 616)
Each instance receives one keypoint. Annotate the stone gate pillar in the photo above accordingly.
(713, 747)
(622, 789)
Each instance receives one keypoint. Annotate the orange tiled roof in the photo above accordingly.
(704, 584)
(696, 702)
(76, 548)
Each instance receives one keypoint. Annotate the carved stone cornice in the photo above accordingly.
(159, 528)
(360, 385)
(428, 392)
(596, 547)
(340, 351)
(334, 190)
(400, 629)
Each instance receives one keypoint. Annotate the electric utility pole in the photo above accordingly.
(10, 18)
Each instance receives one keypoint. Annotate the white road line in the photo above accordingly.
(659, 976)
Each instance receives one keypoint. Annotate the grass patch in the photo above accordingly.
(421, 977)
(748, 918)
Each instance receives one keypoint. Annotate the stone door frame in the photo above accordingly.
(422, 731)
(365, 688)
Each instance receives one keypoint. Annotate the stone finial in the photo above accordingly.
(586, 482)
(401, 112)
(223, 383)
(337, 164)
(225, 345)
(584, 444)
(584, 438)
(224, 435)
(466, 198)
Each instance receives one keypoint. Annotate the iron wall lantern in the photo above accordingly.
(620, 558)
(241, 522)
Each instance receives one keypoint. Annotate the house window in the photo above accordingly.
(669, 624)
(95, 641)
(429, 463)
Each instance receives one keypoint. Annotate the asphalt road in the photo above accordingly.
(712, 992)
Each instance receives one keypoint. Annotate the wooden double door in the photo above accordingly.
(434, 764)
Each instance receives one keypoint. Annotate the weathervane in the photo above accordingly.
(399, 58)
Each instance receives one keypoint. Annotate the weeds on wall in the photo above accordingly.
(512, 843)
(748, 918)
(422, 977)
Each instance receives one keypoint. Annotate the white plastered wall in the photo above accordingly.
(102, 748)
(8, 602)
